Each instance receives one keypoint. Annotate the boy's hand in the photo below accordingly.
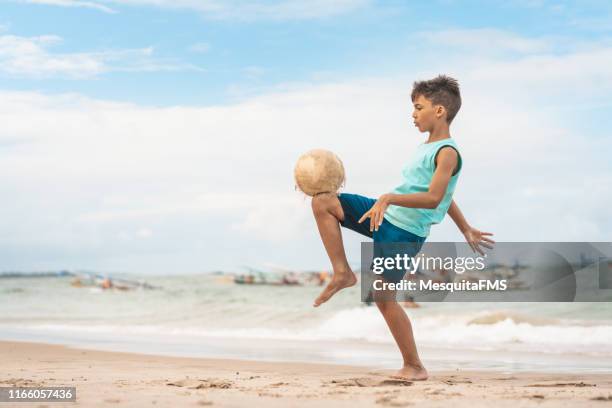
(476, 238)
(376, 213)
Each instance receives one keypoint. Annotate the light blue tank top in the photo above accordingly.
(417, 178)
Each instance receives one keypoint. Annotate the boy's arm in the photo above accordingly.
(457, 216)
(446, 162)
(474, 237)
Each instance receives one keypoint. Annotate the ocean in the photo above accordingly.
(210, 316)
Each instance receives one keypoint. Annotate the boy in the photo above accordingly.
(406, 214)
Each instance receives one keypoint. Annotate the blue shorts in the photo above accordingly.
(354, 206)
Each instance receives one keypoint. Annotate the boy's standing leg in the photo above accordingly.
(328, 214)
(401, 329)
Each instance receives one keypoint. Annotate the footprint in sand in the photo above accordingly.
(392, 401)
(453, 381)
(112, 401)
(569, 384)
(279, 384)
(371, 382)
(443, 392)
(197, 384)
(22, 382)
(269, 394)
(337, 392)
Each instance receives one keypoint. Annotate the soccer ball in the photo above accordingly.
(319, 171)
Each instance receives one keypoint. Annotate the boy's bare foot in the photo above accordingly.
(338, 282)
(414, 373)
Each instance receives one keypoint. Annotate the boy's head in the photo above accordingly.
(435, 100)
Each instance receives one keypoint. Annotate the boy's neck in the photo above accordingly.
(438, 134)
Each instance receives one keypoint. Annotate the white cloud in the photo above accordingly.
(31, 57)
(73, 3)
(201, 47)
(553, 69)
(214, 184)
(253, 72)
(601, 22)
(585, 68)
(485, 41)
(27, 57)
(233, 9)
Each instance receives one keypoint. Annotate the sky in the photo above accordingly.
(159, 137)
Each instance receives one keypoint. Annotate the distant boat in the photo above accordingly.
(45, 274)
(258, 277)
(106, 282)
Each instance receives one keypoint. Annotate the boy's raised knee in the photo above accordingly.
(326, 203)
(318, 204)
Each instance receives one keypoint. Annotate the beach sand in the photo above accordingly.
(112, 379)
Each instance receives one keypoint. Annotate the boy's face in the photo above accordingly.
(425, 114)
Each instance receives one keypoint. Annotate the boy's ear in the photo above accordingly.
(440, 111)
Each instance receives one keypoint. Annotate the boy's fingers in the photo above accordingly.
(486, 233)
(363, 217)
(488, 240)
(486, 245)
(474, 246)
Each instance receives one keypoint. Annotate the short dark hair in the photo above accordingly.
(442, 90)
